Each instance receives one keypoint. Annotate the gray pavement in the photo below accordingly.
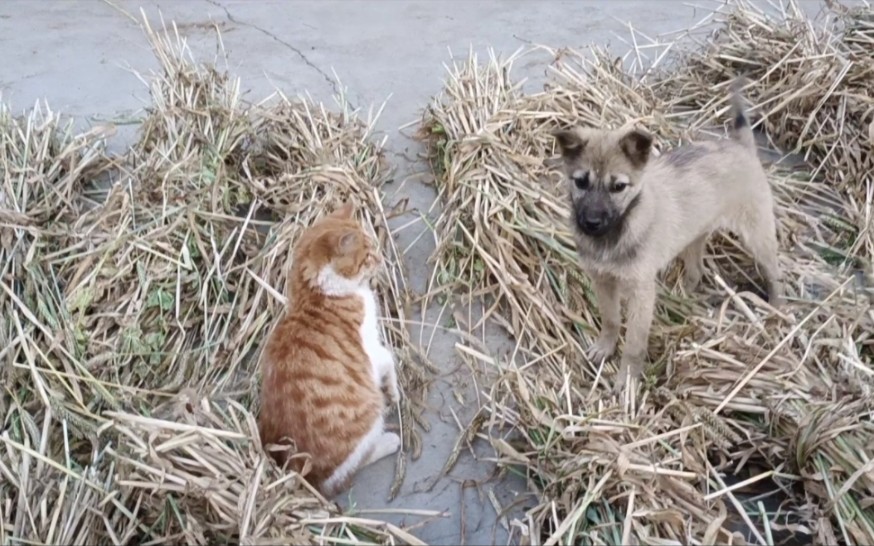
(77, 54)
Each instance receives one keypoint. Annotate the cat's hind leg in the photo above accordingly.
(375, 445)
(387, 444)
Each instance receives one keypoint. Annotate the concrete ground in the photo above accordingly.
(76, 54)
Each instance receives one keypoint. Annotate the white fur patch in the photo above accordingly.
(623, 179)
(333, 284)
(358, 456)
(370, 337)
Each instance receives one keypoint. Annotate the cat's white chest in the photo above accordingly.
(370, 336)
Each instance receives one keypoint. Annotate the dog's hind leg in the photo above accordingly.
(693, 263)
(759, 236)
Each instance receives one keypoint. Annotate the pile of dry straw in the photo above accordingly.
(743, 404)
(131, 316)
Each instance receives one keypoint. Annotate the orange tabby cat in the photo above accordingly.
(324, 365)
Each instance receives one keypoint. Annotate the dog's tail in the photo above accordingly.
(740, 123)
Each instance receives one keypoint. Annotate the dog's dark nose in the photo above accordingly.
(591, 219)
(594, 224)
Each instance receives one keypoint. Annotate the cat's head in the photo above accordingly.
(335, 254)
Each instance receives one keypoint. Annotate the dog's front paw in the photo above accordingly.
(619, 384)
(602, 348)
(631, 367)
(775, 295)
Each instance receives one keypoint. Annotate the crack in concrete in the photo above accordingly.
(298, 52)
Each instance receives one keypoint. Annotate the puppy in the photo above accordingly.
(632, 214)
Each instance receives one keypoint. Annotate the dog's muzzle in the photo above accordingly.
(593, 222)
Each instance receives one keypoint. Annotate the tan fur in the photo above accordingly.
(667, 207)
(319, 386)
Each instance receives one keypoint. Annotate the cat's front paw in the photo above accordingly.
(389, 377)
(386, 358)
(393, 393)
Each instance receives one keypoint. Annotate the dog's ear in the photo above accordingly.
(570, 143)
(636, 145)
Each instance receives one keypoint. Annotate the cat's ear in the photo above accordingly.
(348, 242)
(344, 212)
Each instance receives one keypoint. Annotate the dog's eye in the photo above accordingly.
(618, 187)
(582, 182)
